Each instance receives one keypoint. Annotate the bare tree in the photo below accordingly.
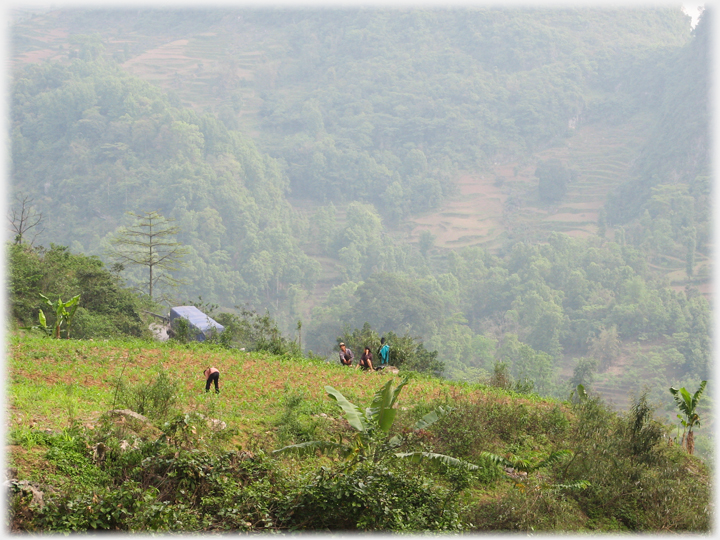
(150, 242)
(23, 218)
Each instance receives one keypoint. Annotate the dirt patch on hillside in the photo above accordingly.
(572, 217)
(53, 34)
(165, 64)
(169, 51)
(35, 57)
(474, 213)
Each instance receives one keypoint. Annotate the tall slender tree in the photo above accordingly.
(150, 242)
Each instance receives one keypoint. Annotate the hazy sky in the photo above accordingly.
(692, 9)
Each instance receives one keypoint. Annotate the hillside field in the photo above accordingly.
(63, 450)
(54, 383)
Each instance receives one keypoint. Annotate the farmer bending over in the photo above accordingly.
(213, 375)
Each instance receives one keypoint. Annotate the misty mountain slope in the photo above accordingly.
(408, 142)
(104, 143)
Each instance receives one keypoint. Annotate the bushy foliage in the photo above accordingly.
(156, 397)
(406, 352)
(636, 477)
(474, 427)
(105, 309)
(370, 497)
(579, 468)
(255, 332)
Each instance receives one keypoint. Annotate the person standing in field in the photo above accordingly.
(346, 355)
(213, 376)
(384, 352)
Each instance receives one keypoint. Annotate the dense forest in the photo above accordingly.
(294, 148)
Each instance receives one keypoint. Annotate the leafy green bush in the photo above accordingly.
(494, 426)
(370, 497)
(105, 308)
(155, 399)
(291, 427)
(636, 477)
(535, 508)
(255, 332)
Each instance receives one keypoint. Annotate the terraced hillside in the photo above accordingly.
(492, 206)
(215, 71)
(208, 72)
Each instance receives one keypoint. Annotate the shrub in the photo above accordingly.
(635, 477)
(291, 427)
(531, 509)
(370, 497)
(155, 399)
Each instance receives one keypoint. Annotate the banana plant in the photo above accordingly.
(64, 312)
(688, 408)
(41, 326)
(371, 440)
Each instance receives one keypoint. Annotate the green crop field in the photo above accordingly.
(61, 439)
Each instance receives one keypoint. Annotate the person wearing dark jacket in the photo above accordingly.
(346, 355)
(366, 360)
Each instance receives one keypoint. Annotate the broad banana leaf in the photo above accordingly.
(687, 403)
(687, 400)
(352, 413)
(696, 396)
(396, 392)
(396, 441)
(379, 410)
(381, 407)
(72, 303)
(386, 419)
(430, 418)
(417, 457)
(381, 398)
(311, 447)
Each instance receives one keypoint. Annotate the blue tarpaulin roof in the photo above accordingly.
(201, 323)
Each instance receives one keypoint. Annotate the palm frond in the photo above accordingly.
(553, 458)
(495, 459)
(417, 457)
(311, 447)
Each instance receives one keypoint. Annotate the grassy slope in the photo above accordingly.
(53, 382)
